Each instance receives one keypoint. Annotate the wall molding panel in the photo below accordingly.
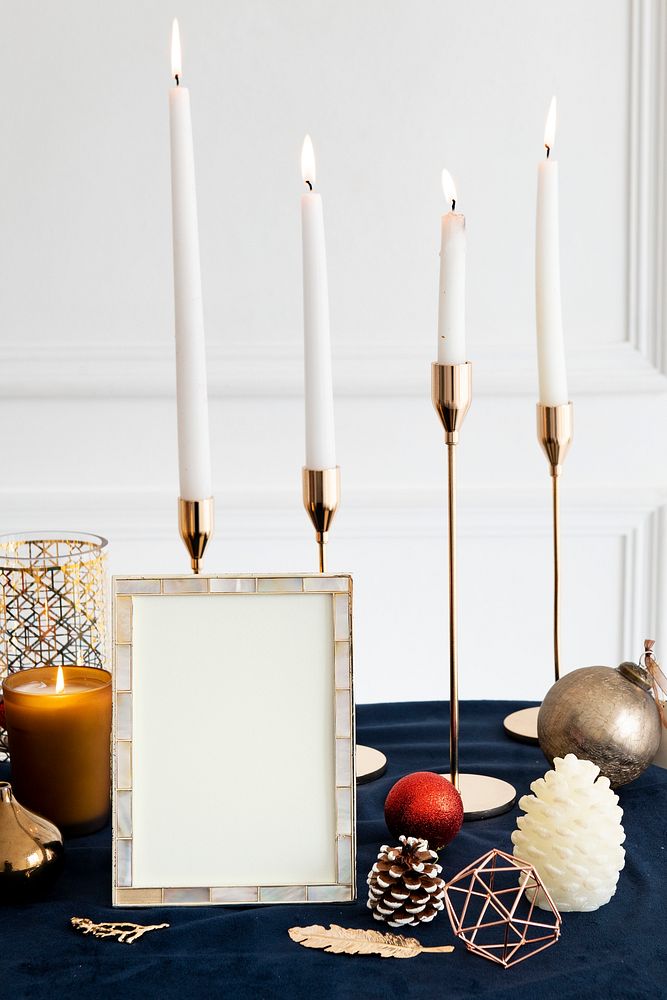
(87, 365)
(237, 368)
(390, 512)
(647, 214)
(78, 371)
(375, 524)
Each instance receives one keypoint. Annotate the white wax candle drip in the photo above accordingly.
(194, 454)
(451, 295)
(320, 435)
(550, 347)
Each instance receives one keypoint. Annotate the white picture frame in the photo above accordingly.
(233, 740)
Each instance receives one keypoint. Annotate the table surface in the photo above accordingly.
(620, 951)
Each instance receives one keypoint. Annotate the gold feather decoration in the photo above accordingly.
(350, 941)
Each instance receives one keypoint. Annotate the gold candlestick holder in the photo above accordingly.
(554, 433)
(451, 393)
(195, 522)
(321, 496)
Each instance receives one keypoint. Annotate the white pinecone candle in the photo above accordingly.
(572, 835)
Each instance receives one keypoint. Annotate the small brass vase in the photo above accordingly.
(31, 850)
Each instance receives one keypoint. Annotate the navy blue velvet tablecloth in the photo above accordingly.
(620, 951)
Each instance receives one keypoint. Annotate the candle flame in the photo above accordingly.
(175, 50)
(60, 681)
(308, 162)
(449, 188)
(550, 126)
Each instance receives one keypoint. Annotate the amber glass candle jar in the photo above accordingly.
(59, 728)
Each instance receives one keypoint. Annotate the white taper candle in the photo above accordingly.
(320, 437)
(451, 294)
(550, 347)
(194, 453)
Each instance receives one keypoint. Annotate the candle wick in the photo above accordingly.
(548, 149)
(178, 83)
(453, 204)
(310, 186)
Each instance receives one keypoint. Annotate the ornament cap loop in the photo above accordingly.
(635, 674)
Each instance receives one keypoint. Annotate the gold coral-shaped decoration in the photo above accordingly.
(125, 933)
(572, 835)
(351, 941)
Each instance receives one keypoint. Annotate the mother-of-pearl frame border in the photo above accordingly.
(340, 589)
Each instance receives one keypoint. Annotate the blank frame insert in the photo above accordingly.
(233, 740)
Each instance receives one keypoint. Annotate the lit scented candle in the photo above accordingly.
(59, 729)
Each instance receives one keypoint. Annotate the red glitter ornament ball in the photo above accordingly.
(424, 804)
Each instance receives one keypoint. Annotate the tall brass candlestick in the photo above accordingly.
(196, 522)
(321, 496)
(554, 433)
(451, 394)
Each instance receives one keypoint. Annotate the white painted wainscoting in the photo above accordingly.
(390, 93)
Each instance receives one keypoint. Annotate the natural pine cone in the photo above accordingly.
(403, 884)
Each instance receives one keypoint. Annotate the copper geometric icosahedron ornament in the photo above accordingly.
(490, 912)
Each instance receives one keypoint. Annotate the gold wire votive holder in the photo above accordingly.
(555, 428)
(52, 602)
(451, 393)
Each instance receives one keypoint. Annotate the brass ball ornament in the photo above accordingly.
(605, 715)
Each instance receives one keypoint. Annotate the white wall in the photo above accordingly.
(391, 92)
